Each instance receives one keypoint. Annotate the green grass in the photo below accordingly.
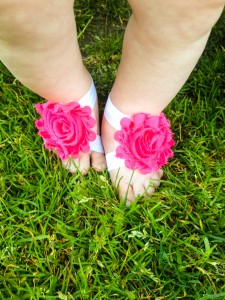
(68, 237)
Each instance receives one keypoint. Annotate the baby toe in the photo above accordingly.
(126, 193)
(138, 189)
(149, 190)
(151, 183)
(84, 163)
(81, 164)
(160, 173)
(98, 161)
(71, 165)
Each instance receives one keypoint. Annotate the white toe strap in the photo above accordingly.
(96, 145)
(113, 162)
(89, 99)
(113, 115)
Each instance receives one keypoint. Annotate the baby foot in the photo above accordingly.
(72, 131)
(135, 176)
(94, 158)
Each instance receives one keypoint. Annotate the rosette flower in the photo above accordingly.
(145, 142)
(66, 128)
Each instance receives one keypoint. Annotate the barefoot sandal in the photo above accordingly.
(67, 128)
(143, 142)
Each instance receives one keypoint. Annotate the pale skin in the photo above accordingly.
(45, 56)
(163, 42)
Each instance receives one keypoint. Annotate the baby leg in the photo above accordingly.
(163, 42)
(38, 45)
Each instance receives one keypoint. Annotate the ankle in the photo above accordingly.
(120, 98)
(77, 89)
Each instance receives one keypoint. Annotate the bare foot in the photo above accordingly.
(136, 147)
(130, 183)
(92, 159)
(67, 129)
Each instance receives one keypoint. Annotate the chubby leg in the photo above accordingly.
(38, 45)
(163, 42)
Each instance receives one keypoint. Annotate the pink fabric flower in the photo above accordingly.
(145, 142)
(66, 128)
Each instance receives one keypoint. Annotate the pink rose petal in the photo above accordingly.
(145, 142)
(67, 128)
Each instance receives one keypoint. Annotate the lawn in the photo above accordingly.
(65, 236)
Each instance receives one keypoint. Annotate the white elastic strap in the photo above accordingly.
(113, 162)
(96, 145)
(113, 115)
(89, 98)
